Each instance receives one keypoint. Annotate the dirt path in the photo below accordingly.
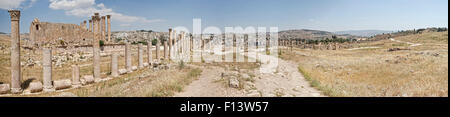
(285, 81)
(411, 44)
(207, 85)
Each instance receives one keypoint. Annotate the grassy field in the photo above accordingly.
(419, 71)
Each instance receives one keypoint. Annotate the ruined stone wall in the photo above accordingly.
(58, 34)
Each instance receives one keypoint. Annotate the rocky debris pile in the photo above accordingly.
(396, 49)
(30, 63)
(241, 81)
(435, 54)
(62, 58)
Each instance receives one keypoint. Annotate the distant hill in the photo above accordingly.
(2, 33)
(363, 33)
(311, 34)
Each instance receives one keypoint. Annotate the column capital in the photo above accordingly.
(15, 15)
(103, 17)
(108, 16)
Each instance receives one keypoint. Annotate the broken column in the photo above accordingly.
(149, 51)
(47, 69)
(96, 47)
(62, 84)
(114, 67)
(16, 77)
(109, 27)
(140, 57)
(76, 75)
(128, 56)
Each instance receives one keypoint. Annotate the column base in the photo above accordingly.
(16, 90)
(49, 89)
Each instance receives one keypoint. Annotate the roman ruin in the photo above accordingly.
(103, 28)
(109, 27)
(96, 46)
(170, 42)
(140, 56)
(128, 57)
(157, 49)
(47, 69)
(76, 75)
(114, 65)
(149, 53)
(16, 75)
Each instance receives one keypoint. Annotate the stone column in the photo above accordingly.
(170, 42)
(76, 75)
(96, 47)
(246, 47)
(128, 56)
(223, 47)
(16, 77)
(157, 49)
(84, 24)
(109, 27)
(114, 67)
(47, 68)
(166, 55)
(268, 44)
(103, 28)
(90, 25)
(149, 51)
(234, 48)
(140, 56)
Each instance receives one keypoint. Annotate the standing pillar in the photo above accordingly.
(128, 56)
(268, 45)
(16, 77)
(90, 25)
(96, 47)
(114, 67)
(109, 27)
(140, 56)
(149, 53)
(47, 69)
(246, 48)
(103, 28)
(84, 24)
(165, 50)
(170, 42)
(223, 47)
(234, 48)
(76, 75)
(157, 49)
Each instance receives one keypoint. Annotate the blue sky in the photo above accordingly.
(159, 15)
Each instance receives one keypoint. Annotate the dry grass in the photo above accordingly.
(157, 84)
(421, 71)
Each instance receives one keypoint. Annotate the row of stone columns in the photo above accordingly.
(104, 26)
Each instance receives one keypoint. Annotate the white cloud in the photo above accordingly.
(15, 4)
(86, 8)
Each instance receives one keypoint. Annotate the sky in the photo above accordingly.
(160, 15)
